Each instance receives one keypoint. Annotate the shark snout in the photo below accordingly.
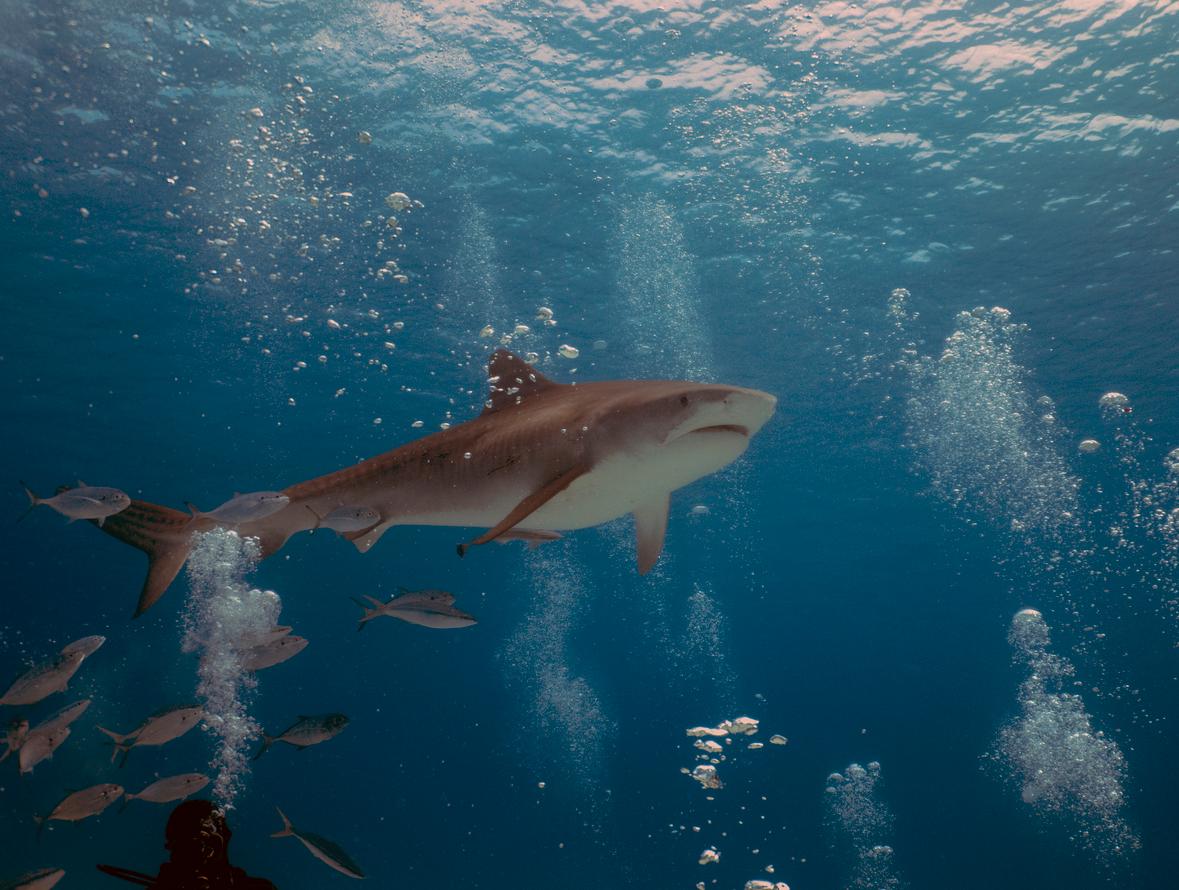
(737, 410)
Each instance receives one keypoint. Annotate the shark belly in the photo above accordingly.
(624, 482)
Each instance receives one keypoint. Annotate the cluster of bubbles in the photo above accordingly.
(655, 276)
(983, 440)
(861, 827)
(1063, 766)
(222, 615)
(565, 709)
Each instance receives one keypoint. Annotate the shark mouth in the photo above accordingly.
(724, 428)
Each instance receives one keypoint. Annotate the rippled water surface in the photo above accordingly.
(248, 243)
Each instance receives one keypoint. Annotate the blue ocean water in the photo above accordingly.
(206, 291)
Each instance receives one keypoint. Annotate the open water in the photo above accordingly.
(939, 232)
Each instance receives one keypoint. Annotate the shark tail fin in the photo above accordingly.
(287, 829)
(160, 532)
(267, 741)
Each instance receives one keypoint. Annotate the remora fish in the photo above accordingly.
(15, 735)
(543, 456)
(429, 608)
(532, 538)
(168, 789)
(41, 879)
(41, 747)
(245, 508)
(158, 729)
(321, 848)
(83, 502)
(275, 652)
(347, 519)
(306, 731)
(82, 804)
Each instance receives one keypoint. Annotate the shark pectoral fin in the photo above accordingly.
(364, 540)
(650, 529)
(533, 502)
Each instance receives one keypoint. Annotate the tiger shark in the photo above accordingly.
(542, 457)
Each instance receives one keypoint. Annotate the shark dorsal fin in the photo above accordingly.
(512, 379)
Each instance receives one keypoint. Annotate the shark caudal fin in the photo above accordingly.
(287, 829)
(164, 534)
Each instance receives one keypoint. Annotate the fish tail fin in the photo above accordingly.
(287, 830)
(368, 614)
(114, 736)
(267, 741)
(118, 743)
(160, 532)
(33, 501)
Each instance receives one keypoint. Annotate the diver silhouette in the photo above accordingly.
(197, 837)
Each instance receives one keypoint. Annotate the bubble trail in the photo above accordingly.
(984, 442)
(221, 615)
(861, 828)
(564, 707)
(1065, 769)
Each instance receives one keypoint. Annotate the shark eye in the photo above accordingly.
(684, 401)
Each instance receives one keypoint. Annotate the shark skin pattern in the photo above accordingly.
(542, 457)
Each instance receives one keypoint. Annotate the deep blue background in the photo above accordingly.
(743, 219)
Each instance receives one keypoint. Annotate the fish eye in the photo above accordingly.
(684, 401)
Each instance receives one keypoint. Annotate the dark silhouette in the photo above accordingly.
(197, 837)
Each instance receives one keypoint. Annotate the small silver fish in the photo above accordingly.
(343, 520)
(15, 735)
(62, 718)
(85, 647)
(41, 879)
(327, 852)
(83, 502)
(243, 508)
(82, 804)
(168, 789)
(252, 641)
(428, 608)
(158, 729)
(273, 653)
(306, 731)
(41, 746)
(42, 680)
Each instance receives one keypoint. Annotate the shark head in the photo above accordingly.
(676, 432)
(695, 409)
